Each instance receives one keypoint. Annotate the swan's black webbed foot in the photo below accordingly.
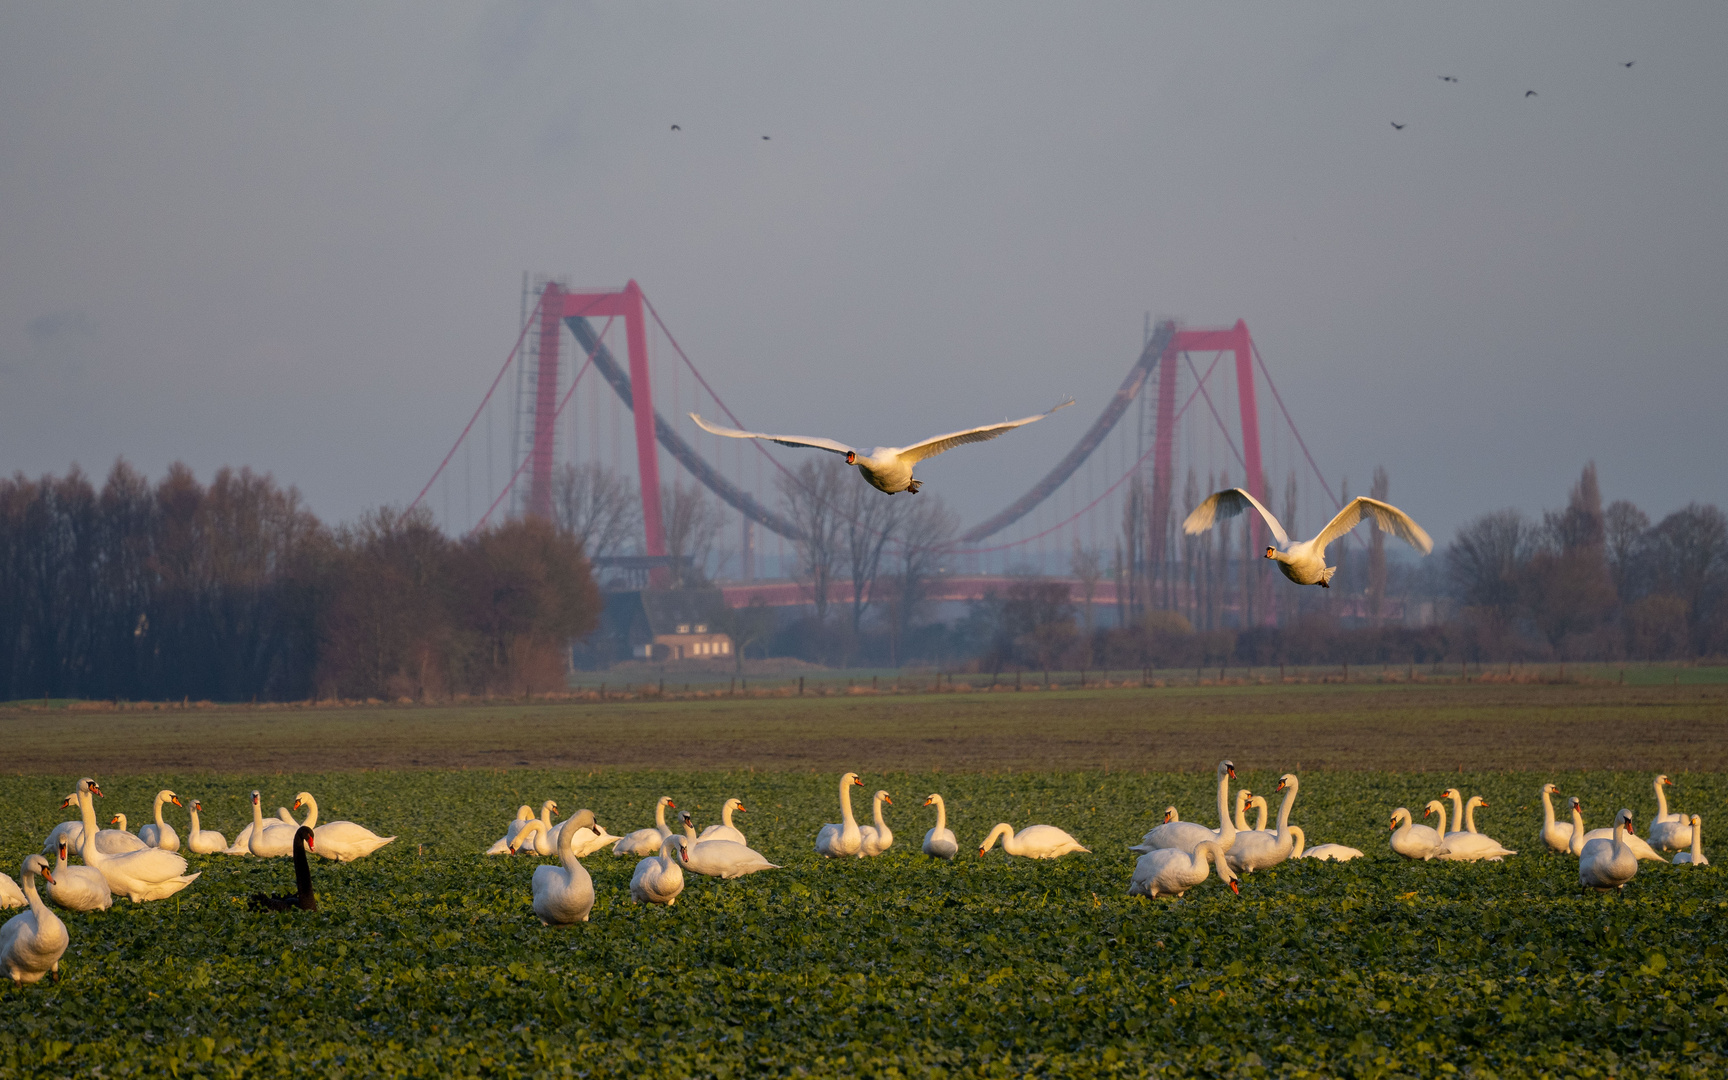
(1325, 584)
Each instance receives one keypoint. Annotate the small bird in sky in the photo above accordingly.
(1629, 63)
(764, 138)
(1448, 78)
(675, 127)
(1529, 93)
(1396, 125)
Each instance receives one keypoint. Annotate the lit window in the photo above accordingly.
(683, 628)
(701, 628)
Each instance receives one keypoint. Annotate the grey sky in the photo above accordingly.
(292, 236)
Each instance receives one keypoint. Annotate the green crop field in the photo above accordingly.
(425, 959)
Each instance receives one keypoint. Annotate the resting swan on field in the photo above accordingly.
(1668, 829)
(78, 888)
(32, 941)
(874, 839)
(1695, 857)
(1258, 850)
(1187, 835)
(1634, 843)
(647, 841)
(940, 841)
(1466, 844)
(563, 894)
(1172, 872)
(659, 879)
(140, 876)
(842, 840)
(726, 830)
(1032, 842)
(158, 833)
(1415, 841)
(342, 841)
(1609, 864)
(202, 841)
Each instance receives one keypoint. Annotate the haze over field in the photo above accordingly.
(293, 237)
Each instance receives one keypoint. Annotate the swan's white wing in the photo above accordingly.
(1388, 517)
(937, 443)
(1227, 504)
(784, 440)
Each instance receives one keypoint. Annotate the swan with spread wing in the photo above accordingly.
(1304, 562)
(887, 468)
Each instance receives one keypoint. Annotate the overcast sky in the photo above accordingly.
(292, 236)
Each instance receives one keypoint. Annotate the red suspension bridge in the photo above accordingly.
(1111, 503)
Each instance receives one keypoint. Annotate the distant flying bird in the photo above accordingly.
(1629, 63)
(1397, 125)
(675, 127)
(1448, 78)
(886, 468)
(1529, 93)
(764, 138)
(1305, 562)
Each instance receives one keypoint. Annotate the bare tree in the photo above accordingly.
(1088, 568)
(1689, 554)
(596, 505)
(692, 521)
(1380, 489)
(868, 523)
(1625, 529)
(926, 533)
(811, 496)
(1487, 557)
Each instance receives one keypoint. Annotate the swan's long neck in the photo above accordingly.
(689, 831)
(567, 847)
(1224, 821)
(193, 812)
(1260, 815)
(1661, 800)
(876, 813)
(846, 803)
(257, 817)
(311, 821)
(1470, 816)
(941, 815)
(1241, 805)
(1301, 842)
(1620, 847)
(1284, 805)
(1547, 811)
(1577, 844)
(660, 818)
(1457, 811)
(1005, 833)
(302, 872)
(36, 905)
(160, 824)
(1697, 839)
(546, 812)
(88, 850)
(726, 815)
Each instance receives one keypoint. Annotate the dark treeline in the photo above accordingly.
(235, 591)
(1582, 583)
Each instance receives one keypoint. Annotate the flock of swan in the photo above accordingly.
(144, 866)
(1173, 857)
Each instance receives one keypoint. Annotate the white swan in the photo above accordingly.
(1695, 857)
(1186, 835)
(1415, 841)
(11, 896)
(70, 831)
(1466, 844)
(158, 833)
(1634, 843)
(940, 840)
(118, 841)
(140, 876)
(269, 839)
(546, 840)
(1170, 815)
(1243, 798)
(1032, 842)
(1305, 562)
(242, 844)
(647, 841)
(562, 894)
(725, 859)
(585, 840)
(727, 830)
(32, 941)
(1172, 872)
(874, 839)
(501, 846)
(201, 841)
(1668, 830)
(78, 888)
(1258, 850)
(342, 841)
(659, 879)
(843, 839)
(1608, 864)
(1331, 853)
(1556, 834)
(886, 468)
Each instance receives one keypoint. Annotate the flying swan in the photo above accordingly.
(886, 468)
(1305, 562)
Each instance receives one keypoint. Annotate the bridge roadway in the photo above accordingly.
(947, 587)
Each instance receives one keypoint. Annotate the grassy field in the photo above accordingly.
(425, 960)
(1487, 726)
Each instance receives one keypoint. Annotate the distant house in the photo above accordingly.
(672, 624)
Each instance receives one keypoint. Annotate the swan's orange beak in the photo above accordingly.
(929, 802)
(1484, 802)
(175, 799)
(296, 804)
(887, 800)
(857, 782)
(1235, 887)
(1280, 786)
(62, 849)
(980, 853)
(1232, 772)
(1393, 827)
(114, 819)
(1271, 552)
(47, 876)
(68, 801)
(95, 788)
(851, 457)
(670, 805)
